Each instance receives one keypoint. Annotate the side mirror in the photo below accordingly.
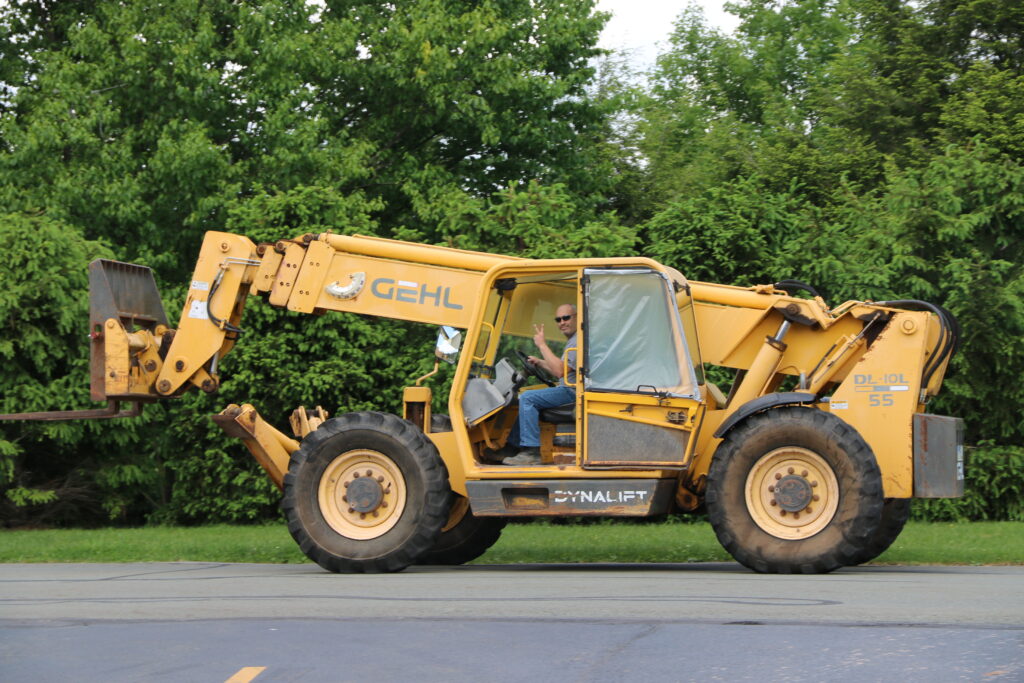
(449, 340)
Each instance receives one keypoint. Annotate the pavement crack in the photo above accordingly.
(618, 652)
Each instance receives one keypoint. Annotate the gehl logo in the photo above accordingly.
(412, 292)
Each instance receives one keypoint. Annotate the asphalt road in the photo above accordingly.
(699, 622)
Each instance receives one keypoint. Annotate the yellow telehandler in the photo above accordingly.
(807, 463)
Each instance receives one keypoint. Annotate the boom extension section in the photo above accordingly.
(311, 274)
(137, 357)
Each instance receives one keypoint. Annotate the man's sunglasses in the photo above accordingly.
(562, 318)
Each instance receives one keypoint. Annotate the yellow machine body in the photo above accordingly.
(805, 461)
(873, 384)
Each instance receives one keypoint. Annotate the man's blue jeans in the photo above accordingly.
(526, 432)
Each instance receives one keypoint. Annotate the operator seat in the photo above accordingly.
(562, 415)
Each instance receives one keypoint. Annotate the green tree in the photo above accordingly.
(141, 125)
(144, 123)
(57, 472)
(869, 147)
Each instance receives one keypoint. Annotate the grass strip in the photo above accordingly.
(218, 543)
(608, 541)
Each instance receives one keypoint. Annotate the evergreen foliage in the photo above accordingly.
(141, 125)
(872, 149)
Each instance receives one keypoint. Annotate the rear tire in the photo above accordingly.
(794, 490)
(366, 492)
(465, 537)
(895, 513)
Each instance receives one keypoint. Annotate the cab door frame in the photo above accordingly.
(639, 403)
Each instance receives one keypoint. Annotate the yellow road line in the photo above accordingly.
(246, 674)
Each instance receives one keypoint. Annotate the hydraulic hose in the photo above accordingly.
(949, 339)
(796, 284)
(223, 324)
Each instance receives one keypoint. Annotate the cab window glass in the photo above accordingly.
(634, 340)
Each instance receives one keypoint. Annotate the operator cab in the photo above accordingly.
(636, 385)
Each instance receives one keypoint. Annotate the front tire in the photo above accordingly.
(366, 492)
(794, 490)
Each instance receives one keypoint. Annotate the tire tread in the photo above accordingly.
(433, 513)
(764, 553)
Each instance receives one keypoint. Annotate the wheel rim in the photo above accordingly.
(792, 493)
(362, 494)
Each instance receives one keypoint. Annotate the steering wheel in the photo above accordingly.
(534, 371)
